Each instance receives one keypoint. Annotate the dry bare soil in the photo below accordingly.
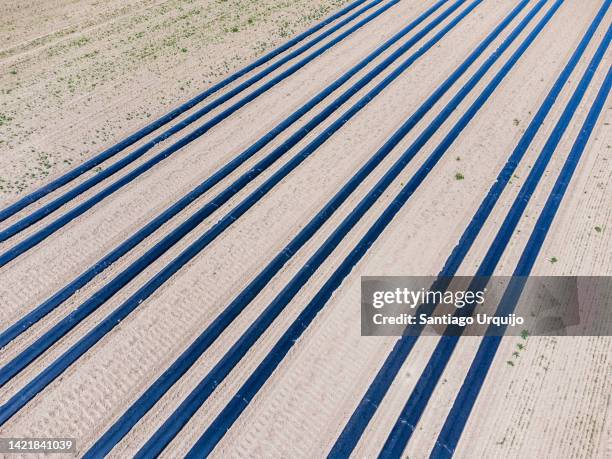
(77, 76)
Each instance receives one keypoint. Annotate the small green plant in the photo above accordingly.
(458, 158)
(184, 50)
(554, 260)
(13, 72)
(234, 29)
(4, 119)
(520, 347)
(598, 229)
(510, 362)
(80, 41)
(515, 121)
(525, 334)
(459, 176)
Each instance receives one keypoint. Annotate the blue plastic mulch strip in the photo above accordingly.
(198, 347)
(61, 221)
(59, 330)
(58, 298)
(181, 416)
(379, 387)
(43, 343)
(464, 402)
(425, 386)
(247, 392)
(93, 162)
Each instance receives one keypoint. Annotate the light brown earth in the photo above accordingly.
(554, 402)
(77, 76)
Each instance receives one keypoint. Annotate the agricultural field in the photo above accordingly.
(78, 75)
(192, 192)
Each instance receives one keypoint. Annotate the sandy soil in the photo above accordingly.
(74, 81)
(76, 76)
